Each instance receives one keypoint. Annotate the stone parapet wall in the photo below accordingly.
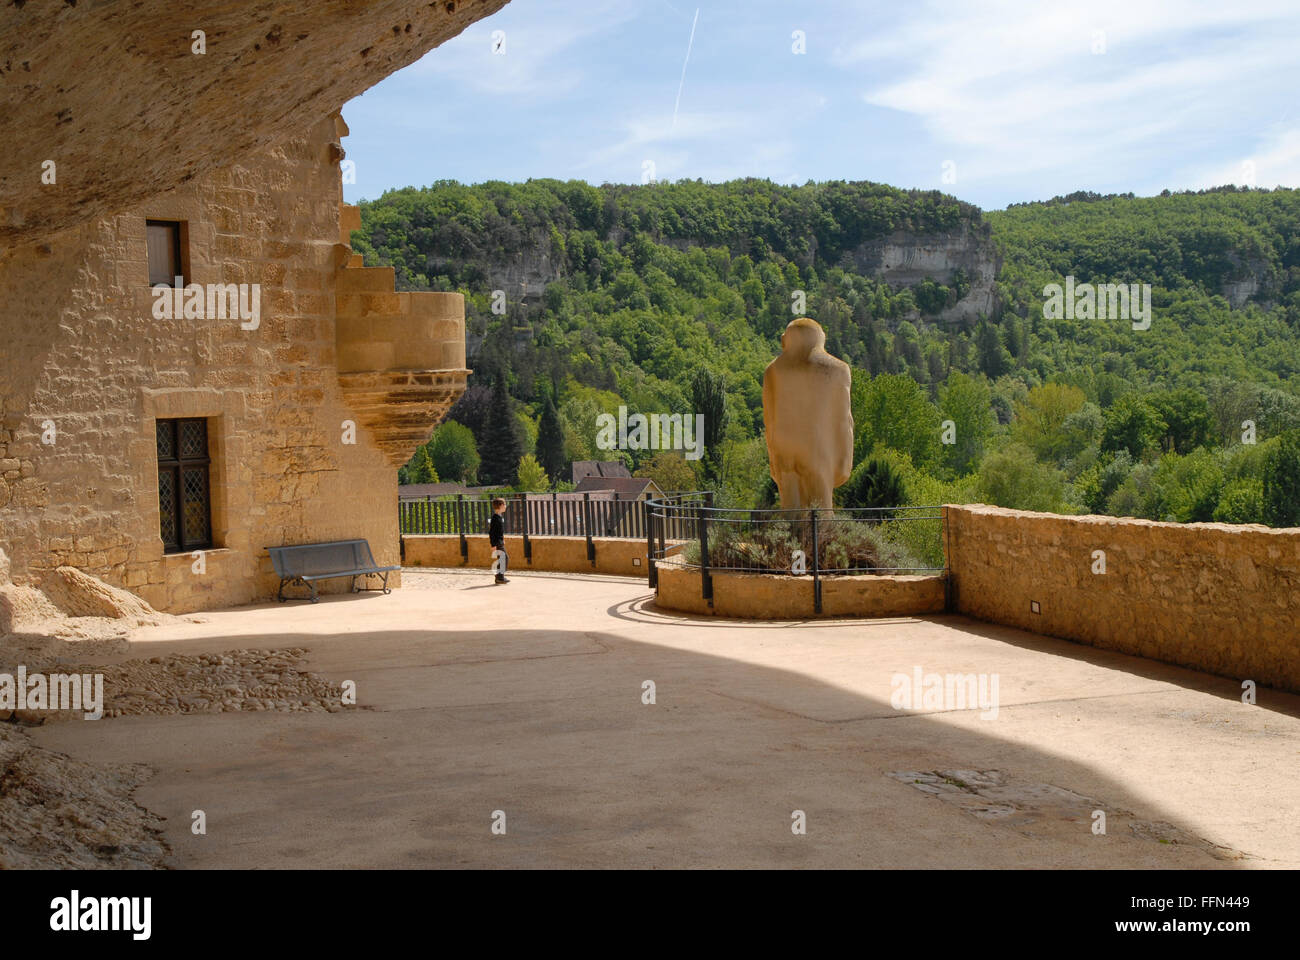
(559, 554)
(1217, 597)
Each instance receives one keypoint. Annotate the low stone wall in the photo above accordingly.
(1223, 598)
(559, 554)
(783, 597)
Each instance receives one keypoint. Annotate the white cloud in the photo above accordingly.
(1017, 87)
(1008, 90)
(1274, 162)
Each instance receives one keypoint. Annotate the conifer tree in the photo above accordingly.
(550, 441)
(709, 397)
(499, 446)
(423, 471)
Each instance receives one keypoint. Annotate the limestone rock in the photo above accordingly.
(22, 607)
(63, 813)
(905, 258)
(101, 88)
(80, 595)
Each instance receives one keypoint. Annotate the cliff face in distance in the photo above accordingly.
(905, 259)
(902, 260)
(519, 238)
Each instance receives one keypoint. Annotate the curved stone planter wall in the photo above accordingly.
(781, 597)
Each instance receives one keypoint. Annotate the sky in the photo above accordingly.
(994, 102)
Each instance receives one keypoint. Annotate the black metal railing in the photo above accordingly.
(532, 515)
(813, 543)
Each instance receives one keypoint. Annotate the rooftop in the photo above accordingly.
(599, 468)
(626, 487)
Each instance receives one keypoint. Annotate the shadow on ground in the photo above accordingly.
(543, 724)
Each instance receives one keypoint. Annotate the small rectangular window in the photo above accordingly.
(164, 243)
(184, 492)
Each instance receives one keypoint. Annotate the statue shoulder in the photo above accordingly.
(838, 368)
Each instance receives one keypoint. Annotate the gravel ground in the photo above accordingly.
(236, 680)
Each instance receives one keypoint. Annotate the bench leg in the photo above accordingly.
(387, 589)
(354, 585)
(280, 593)
(314, 597)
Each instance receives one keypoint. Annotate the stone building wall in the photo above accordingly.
(83, 352)
(1211, 596)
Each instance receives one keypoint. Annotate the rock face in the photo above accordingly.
(901, 259)
(1249, 277)
(21, 607)
(807, 418)
(75, 78)
(904, 259)
(226, 682)
(62, 813)
(524, 274)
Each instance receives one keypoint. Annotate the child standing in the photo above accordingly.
(497, 539)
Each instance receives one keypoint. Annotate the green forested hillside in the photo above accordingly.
(670, 298)
(1189, 247)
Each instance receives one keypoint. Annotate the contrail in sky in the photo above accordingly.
(689, 44)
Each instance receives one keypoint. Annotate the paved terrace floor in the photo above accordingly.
(527, 698)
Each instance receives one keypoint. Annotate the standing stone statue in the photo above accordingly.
(807, 417)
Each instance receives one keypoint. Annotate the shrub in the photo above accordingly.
(1095, 485)
(1242, 501)
(1012, 478)
(454, 452)
(1186, 489)
(422, 470)
(1281, 485)
(843, 543)
(1132, 498)
(530, 477)
(923, 537)
(873, 483)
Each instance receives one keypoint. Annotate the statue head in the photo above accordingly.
(802, 337)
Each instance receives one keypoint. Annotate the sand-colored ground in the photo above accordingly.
(528, 699)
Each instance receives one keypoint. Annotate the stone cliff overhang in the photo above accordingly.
(118, 98)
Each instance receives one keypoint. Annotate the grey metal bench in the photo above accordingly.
(308, 562)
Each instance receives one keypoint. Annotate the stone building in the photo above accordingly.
(162, 440)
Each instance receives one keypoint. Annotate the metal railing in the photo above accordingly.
(813, 543)
(527, 515)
